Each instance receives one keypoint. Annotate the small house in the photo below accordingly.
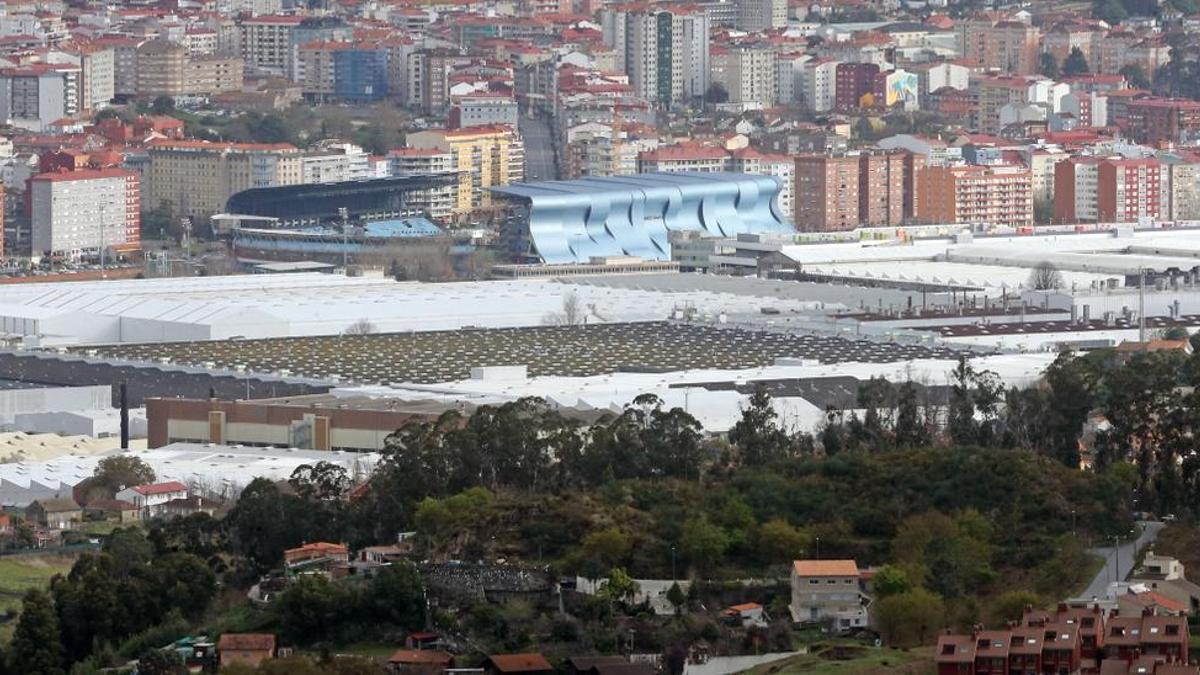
(746, 615)
(112, 510)
(56, 514)
(316, 554)
(522, 664)
(246, 648)
(419, 662)
(149, 498)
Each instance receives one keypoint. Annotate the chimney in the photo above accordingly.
(124, 416)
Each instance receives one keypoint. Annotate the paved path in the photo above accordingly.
(539, 149)
(1125, 555)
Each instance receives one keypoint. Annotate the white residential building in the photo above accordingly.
(748, 74)
(150, 498)
(755, 16)
(335, 163)
(818, 84)
(85, 210)
(829, 591)
(34, 96)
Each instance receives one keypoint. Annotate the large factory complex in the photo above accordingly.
(692, 288)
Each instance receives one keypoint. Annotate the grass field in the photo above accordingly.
(21, 573)
(852, 660)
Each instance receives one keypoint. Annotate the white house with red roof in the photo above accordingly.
(151, 497)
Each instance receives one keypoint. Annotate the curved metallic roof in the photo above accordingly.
(572, 221)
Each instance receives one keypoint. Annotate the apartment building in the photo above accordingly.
(1158, 120)
(1130, 190)
(97, 72)
(829, 591)
(755, 16)
(335, 163)
(881, 183)
(124, 50)
(683, 158)
(994, 93)
(992, 195)
(481, 110)
(438, 203)
(1076, 186)
(818, 84)
(1111, 190)
(197, 178)
(73, 212)
(35, 95)
(1005, 45)
(166, 69)
(483, 157)
(828, 187)
(266, 42)
(748, 73)
(665, 52)
(1184, 179)
(855, 85)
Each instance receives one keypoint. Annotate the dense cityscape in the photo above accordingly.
(589, 337)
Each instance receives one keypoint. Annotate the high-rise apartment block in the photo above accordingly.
(664, 51)
(73, 212)
(34, 96)
(842, 192)
(986, 195)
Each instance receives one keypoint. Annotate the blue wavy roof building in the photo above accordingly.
(573, 221)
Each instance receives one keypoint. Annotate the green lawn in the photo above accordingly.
(861, 661)
(21, 573)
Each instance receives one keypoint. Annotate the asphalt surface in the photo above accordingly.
(539, 149)
(1125, 555)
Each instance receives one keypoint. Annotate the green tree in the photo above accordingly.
(620, 586)
(397, 597)
(608, 547)
(890, 580)
(1111, 12)
(757, 434)
(323, 481)
(160, 662)
(1075, 63)
(1011, 606)
(113, 474)
(911, 428)
(36, 645)
(910, 618)
(1048, 65)
(676, 597)
(716, 93)
(309, 608)
(162, 105)
(703, 543)
(779, 542)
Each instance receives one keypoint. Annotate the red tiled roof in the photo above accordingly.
(160, 488)
(826, 568)
(247, 642)
(423, 656)
(80, 174)
(519, 663)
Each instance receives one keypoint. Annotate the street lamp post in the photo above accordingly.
(344, 214)
(673, 577)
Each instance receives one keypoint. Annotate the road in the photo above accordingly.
(539, 149)
(1125, 555)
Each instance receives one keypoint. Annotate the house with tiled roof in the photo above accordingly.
(829, 591)
(149, 498)
(525, 664)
